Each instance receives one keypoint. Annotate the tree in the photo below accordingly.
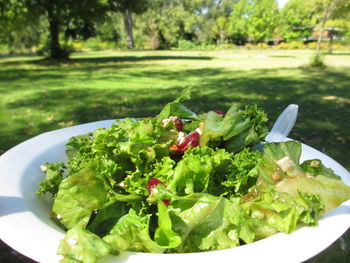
(220, 12)
(167, 22)
(200, 21)
(301, 18)
(60, 14)
(327, 9)
(127, 7)
(212, 22)
(297, 20)
(17, 28)
(256, 19)
(221, 29)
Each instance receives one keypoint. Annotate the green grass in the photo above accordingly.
(38, 95)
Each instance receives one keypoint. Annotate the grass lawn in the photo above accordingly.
(38, 96)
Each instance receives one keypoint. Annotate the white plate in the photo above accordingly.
(25, 223)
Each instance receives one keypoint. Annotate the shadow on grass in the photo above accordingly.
(322, 96)
(281, 56)
(55, 71)
(339, 54)
(106, 59)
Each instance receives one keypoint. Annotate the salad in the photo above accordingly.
(181, 182)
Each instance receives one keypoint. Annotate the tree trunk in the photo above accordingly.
(330, 44)
(55, 49)
(326, 15)
(128, 28)
(319, 40)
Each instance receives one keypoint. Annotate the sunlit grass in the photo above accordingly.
(38, 95)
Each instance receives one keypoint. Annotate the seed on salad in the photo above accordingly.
(276, 176)
(43, 168)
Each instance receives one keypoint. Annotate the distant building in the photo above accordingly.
(330, 33)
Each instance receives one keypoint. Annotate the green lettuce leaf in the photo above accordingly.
(78, 196)
(211, 128)
(313, 207)
(273, 211)
(196, 171)
(106, 218)
(315, 167)
(176, 108)
(79, 144)
(280, 167)
(279, 161)
(126, 153)
(206, 222)
(80, 245)
(53, 178)
(332, 192)
(239, 128)
(242, 173)
(255, 133)
(164, 234)
(132, 233)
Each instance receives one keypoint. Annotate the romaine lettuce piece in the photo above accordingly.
(280, 167)
(206, 222)
(279, 161)
(78, 196)
(211, 128)
(106, 218)
(273, 211)
(316, 167)
(80, 245)
(332, 192)
(239, 128)
(176, 108)
(164, 234)
(132, 233)
(53, 178)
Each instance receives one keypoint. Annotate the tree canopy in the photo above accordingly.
(254, 19)
(165, 24)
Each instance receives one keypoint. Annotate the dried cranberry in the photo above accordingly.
(190, 140)
(178, 124)
(153, 182)
(166, 202)
(220, 113)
